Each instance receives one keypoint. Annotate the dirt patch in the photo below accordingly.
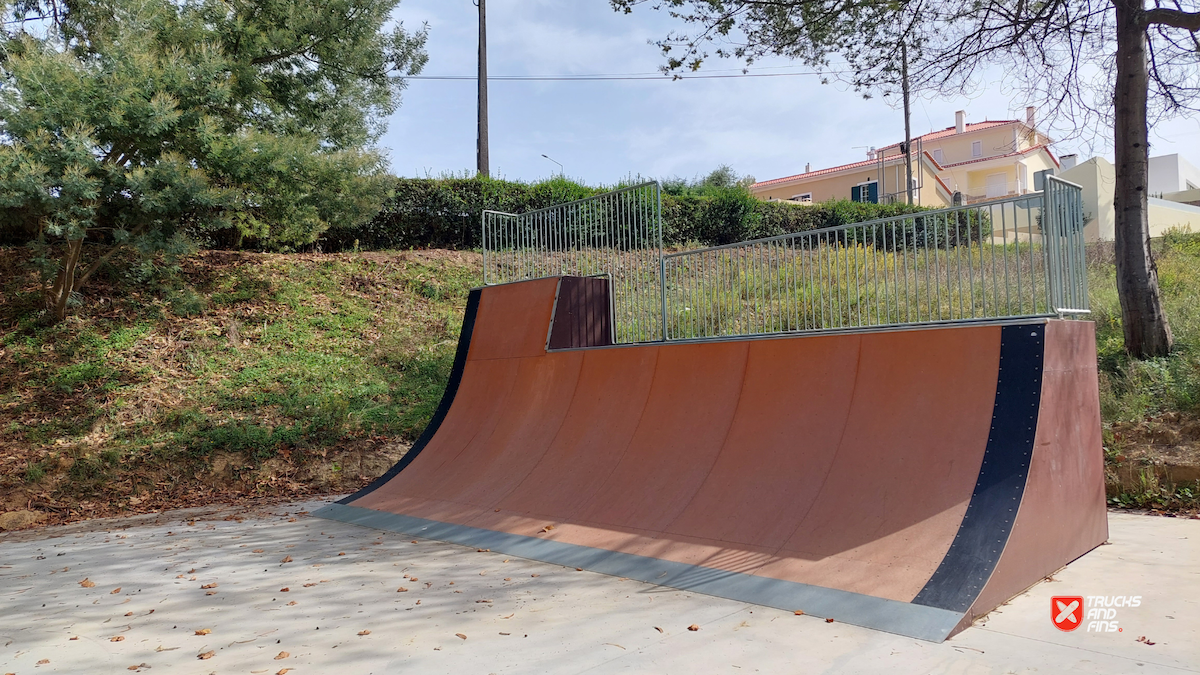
(1155, 457)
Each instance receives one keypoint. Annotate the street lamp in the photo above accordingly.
(560, 166)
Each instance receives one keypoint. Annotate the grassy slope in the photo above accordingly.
(280, 375)
(1151, 408)
(277, 374)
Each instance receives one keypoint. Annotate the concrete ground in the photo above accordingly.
(277, 591)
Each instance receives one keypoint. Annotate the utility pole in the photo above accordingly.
(908, 188)
(481, 155)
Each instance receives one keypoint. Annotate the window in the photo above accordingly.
(803, 197)
(938, 157)
(977, 148)
(865, 192)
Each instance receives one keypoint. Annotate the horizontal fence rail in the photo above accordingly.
(617, 234)
(979, 262)
(1018, 257)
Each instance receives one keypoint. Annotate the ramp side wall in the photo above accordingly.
(1063, 513)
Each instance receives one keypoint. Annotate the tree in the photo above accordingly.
(1059, 52)
(136, 124)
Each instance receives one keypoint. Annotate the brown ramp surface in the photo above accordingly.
(874, 478)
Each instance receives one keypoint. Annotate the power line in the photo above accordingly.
(594, 78)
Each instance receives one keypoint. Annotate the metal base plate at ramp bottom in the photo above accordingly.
(902, 618)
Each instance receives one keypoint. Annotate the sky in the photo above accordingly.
(605, 131)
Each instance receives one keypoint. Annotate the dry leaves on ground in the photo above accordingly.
(693, 628)
(115, 590)
(364, 632)
(87, 583)
(204, 656)
(282, 655)
(207, 586)
(204, 631)
(460, 635)
(117, 638)
(286, 559)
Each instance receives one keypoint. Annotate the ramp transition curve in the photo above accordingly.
(908, 481)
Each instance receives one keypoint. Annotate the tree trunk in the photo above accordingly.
(65, 284)
(1146, 331)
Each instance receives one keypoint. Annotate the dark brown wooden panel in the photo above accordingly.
(582, 315)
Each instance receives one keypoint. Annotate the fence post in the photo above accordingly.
(1052, 245)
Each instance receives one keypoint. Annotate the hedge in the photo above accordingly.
(445, 213)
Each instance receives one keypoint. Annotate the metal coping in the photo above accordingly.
(893, 616)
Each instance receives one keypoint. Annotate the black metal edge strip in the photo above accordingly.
(893, 616)
(439, 415)
(988, 521)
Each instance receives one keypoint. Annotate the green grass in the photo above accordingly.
(256, 355)
(1133, 390)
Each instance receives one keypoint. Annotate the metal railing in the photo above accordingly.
(1019, 257)
(979, 262)
(618, 234)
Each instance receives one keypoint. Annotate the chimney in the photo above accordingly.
(1068, 161)
(808, 167)
(1030, 117)
(960, 121)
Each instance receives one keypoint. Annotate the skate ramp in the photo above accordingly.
(906, 480)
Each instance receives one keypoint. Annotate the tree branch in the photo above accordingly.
(1161, 16)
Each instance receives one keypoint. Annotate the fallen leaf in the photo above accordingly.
(204, 631)
(133, 667)
(412, 579)
(479, 601)
(413, 541)
(115, 591)
(290, 604)
(1143, 640)
(286, 559)
(693, 628)
(283, 671)
(43, 662)
(257, 550)
(75, 638)
(212, 585)
(613, 644)
(128, 613)
(285, 589)
(364, 632)
(535, 575)
(402, 590)
(310, 585)
(464, 637)
(799, 612)
(483, 550)
(291, 520)
(658, 629)
(206, 655)
(210, 592)
(508, 578)
(117, 638)
(192, 571)
(282, 655)
(580, 569)
(342, 553)
(503, 633)
(87, 583)
(547, 528)
(828, 620)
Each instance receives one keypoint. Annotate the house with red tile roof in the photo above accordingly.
(965, 163)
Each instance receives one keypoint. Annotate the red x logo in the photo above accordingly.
(1066, 611)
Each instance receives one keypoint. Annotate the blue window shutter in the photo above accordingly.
(856, 194)
(873, 193)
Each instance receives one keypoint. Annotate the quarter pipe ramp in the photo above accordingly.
(906, 480)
